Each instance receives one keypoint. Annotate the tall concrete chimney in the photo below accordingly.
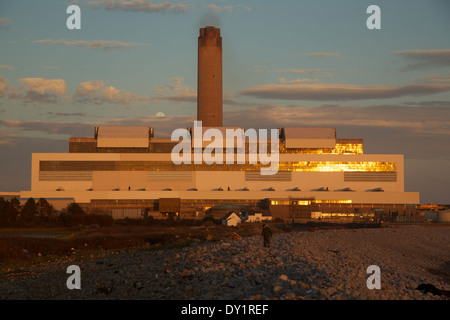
(209, 81)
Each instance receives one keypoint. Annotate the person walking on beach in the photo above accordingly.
(267, 235)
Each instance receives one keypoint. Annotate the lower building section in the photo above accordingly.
(287, 206)
(126, 172)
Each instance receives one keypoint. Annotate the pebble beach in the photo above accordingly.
(299, 265)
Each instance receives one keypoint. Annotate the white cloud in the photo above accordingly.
(43, 86)
(216, 9)
(97, 92)
(41, 90)
(104, 45)
(138, 6)
(53, 90)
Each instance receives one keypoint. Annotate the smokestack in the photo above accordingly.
(209, 82)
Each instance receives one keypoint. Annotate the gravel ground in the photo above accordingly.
(326, 264)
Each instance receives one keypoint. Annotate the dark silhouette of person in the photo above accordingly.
(267, 235)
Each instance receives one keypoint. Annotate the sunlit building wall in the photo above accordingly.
(98, 171)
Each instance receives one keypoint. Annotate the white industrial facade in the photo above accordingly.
(313, 164)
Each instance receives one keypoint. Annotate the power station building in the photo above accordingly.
(127, 168)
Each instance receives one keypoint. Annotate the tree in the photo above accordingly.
(16, 204)
(3, 209)
(44, 209)
(29, 211)
(8, 212)
(74, 208)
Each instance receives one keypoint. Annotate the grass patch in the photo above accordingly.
(51, 232)
(169, 246)
(29, 245)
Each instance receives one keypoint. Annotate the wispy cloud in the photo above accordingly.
(340, 92)
(104, 45)
(6, 138)
(27, 128)
(3, 22)
(214, 8)
(420, 59)
(324, 54)
(5, 67)
(423, 119)
(175, 92)
(138, 6)
(51, 68)
(57, 129)
(441, 78)
(228, 9)
(306, 80)
(66, 114)
(438, 77)
(4, 87)
(316, 72)
(298, 71)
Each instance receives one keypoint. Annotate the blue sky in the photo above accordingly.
(286, 63)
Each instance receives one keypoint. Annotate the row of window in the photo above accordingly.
(241, 189)
(314, 166)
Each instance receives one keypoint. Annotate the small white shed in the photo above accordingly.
(231, 219)
(252, 216)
